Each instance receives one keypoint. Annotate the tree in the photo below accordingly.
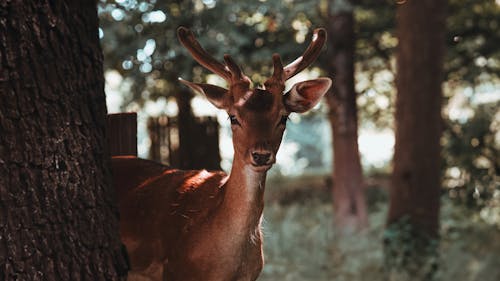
(413, 219)
(57, 208)
(348, 193)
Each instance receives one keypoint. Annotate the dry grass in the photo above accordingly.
(300, 242)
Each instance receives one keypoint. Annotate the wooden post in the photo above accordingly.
(122, 134)
(165, 143)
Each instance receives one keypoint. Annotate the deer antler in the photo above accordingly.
(278, 68)
(309, 55)
(186, 37)
(233, 67)
(230, 71)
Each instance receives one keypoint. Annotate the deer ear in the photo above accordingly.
(305, 95)
(215, 94)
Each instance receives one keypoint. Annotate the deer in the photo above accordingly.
(181, 225)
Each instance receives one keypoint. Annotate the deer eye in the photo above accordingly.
(283, 120)
(233, 120)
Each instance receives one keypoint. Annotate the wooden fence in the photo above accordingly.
(201, 139)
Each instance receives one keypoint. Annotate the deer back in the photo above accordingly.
(158, 205)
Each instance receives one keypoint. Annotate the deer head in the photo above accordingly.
(258, 115)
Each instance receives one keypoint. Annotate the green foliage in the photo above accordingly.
(248, 30)
(473, 39)
(471, 151)
(252, 30)
(410, 254)
(375, 48)
(472, 53)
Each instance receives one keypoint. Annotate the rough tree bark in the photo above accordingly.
(348, 192)
(413, 219)
(58, 219)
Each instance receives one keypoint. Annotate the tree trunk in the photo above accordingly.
(198, 138)
(58, 219)
(348, 192)
(415, 184)
(185, 124)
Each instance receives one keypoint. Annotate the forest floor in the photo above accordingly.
(300, 241)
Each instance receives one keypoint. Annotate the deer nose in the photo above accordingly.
(261, 158)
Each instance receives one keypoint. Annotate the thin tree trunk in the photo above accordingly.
(415, 185)
(348, 192)
(185, 124)
(58, 219)
(198, 143)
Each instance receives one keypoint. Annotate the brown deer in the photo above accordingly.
(199, 225)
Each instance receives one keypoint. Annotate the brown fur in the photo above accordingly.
(171, 223)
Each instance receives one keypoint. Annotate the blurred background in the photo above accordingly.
(308, 234)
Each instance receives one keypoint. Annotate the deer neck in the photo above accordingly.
(245, 192)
